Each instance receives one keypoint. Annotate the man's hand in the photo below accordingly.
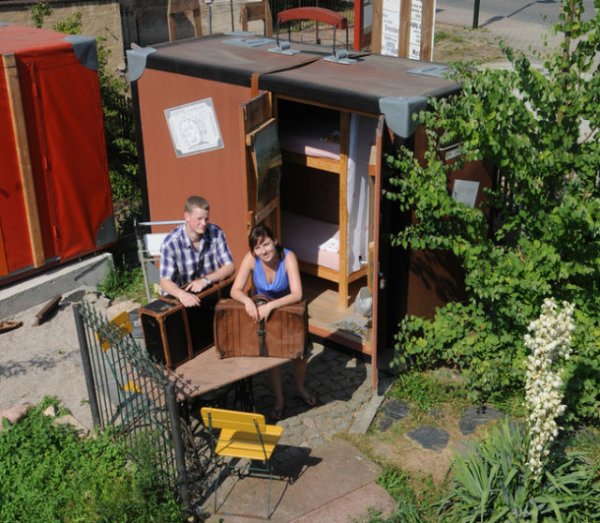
(188, 299)
(196, 285)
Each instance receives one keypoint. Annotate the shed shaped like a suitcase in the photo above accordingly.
(55, 197)
(298, 140)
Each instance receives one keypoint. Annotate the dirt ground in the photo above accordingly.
(453, 43)
(44, 360)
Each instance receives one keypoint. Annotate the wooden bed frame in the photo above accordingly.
(342, 276)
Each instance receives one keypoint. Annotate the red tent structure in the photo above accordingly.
(55, 198)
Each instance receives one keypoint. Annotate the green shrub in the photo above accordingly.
(540, 131)
(49, 474)
(493, 483)
(123, 280)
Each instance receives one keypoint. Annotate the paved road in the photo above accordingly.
(544, 12)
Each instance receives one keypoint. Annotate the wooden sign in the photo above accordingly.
(404, 28)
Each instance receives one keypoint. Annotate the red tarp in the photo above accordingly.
(67, 150)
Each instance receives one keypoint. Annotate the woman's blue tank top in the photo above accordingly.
(281, 284)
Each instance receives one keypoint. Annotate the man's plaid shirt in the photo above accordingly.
(181, 263)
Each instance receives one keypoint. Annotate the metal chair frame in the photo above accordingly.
(243, 435)
(317, 14)
(145, 253)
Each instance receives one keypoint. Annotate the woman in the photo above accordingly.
(275, 273)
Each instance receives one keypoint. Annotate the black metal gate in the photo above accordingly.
(137, 399)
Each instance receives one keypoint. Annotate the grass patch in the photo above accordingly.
(49, 474)
(124, 280)
(587, 441)
(454, 44)
(426, 391)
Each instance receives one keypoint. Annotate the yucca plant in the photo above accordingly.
(494, 484)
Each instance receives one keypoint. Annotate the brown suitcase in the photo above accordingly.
(166, 331)
(283, 335)
(174, 333)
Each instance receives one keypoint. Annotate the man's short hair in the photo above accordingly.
(194, 202)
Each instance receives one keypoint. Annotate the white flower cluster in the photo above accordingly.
(550, 344)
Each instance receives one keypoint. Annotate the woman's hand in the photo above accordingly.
(264, 311)
(251, 310)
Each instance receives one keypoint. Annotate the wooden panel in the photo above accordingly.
(218, 175)
(324, 312)
(374, 261)
(256, 112)
(320, 188)
(376, 26)
(323, 164)
(25, 170)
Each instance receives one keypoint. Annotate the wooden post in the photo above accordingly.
(385, 27)
(343, 197)
(15, 102)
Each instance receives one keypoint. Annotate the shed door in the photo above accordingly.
(263, 159)
(378, 275)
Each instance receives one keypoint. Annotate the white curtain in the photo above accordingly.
(362, 136)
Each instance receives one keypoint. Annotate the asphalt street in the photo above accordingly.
(544, 12)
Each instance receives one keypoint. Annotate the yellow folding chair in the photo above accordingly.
(243, 435)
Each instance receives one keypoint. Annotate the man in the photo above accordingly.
(194, 255)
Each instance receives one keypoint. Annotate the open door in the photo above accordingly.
(263, 163)
(390, 271)
(377, 277)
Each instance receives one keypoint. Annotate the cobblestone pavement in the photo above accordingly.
(342, 383)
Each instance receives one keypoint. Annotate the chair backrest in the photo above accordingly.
(150, 242)
(183, 6)
(318, 14)
(250, 422)
(252, 11)
(122, 321)
(153, 241)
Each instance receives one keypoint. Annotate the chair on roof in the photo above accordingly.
(176, 7)
(316, 14)
(253, 11)
(148, 248)
(242, 435)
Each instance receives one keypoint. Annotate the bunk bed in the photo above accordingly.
(335, 250)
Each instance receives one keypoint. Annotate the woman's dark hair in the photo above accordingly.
(258, 233)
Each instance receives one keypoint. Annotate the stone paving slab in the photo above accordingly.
(314, 490)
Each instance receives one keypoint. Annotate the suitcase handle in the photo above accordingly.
(261, 299)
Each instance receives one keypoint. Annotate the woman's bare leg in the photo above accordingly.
(276, 387)
(299, 375)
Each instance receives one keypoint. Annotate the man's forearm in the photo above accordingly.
(221, 273)
(170, 287)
